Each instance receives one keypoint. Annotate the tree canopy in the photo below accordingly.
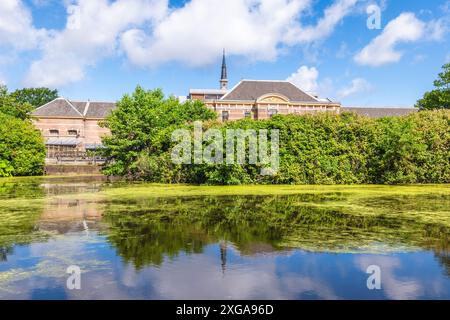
(439, 98)
(141, 126)
(11, 106)
(36, 97)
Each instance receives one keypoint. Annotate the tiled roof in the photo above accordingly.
(99, 110)
(80, 106)
(380, 112)
(250, 90)
(58, 108)
(61, 107)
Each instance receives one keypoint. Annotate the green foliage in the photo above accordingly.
(36, 97)
(412, 149)
(314, 149)
(22, 150)
(438, 98)
(9, 105)
(141, 128)
(6, 169)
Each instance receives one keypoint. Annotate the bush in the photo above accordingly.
(141, 128)
(314, 149)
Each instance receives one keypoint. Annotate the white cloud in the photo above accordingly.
(437, 29)
(305, 78)
(343, 51)
(382, 50)
(195, 33)
(325, 26)
(91, 33)
(255, 29)
(357, 86)
(16, 26)
(150, 32)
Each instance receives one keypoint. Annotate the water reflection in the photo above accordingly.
(305, 246)
(144, 232)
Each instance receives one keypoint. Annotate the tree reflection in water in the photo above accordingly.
(145, 232)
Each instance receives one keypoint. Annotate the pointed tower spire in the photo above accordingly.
(224, 75)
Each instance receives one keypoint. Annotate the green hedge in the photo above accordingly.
(326, 149)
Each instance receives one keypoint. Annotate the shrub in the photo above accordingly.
(22, 149)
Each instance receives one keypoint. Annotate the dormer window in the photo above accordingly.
(54, 132)
(72, 132)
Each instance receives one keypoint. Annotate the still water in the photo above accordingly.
(163, 242)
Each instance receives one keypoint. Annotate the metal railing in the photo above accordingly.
(74, 157)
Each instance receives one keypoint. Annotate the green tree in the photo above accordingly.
(9, 105)
(438, 98)
(37, 97)
(141, 128)
(22, 149)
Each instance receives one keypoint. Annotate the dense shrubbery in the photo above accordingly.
(314, 149)
(22, 150)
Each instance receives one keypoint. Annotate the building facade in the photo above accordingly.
(260, 99)
(71, 126)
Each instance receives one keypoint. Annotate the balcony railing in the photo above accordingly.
(74, 156)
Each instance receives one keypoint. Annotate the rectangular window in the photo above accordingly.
(248, 114)
(72, 132)
(272, 112)
(225, 116)
(54, 132)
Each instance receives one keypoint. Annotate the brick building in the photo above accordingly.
(260, 99)
(71, 125)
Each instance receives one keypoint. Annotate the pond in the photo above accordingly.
(142, 241)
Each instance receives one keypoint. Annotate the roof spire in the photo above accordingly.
(224, 75)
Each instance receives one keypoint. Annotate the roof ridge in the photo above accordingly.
(58, 98)
(231, 90)
(305, 92)
(86, 108)
(73, 107)
(84, 101)
(265, 80)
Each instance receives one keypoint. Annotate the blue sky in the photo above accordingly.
(100, 49)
